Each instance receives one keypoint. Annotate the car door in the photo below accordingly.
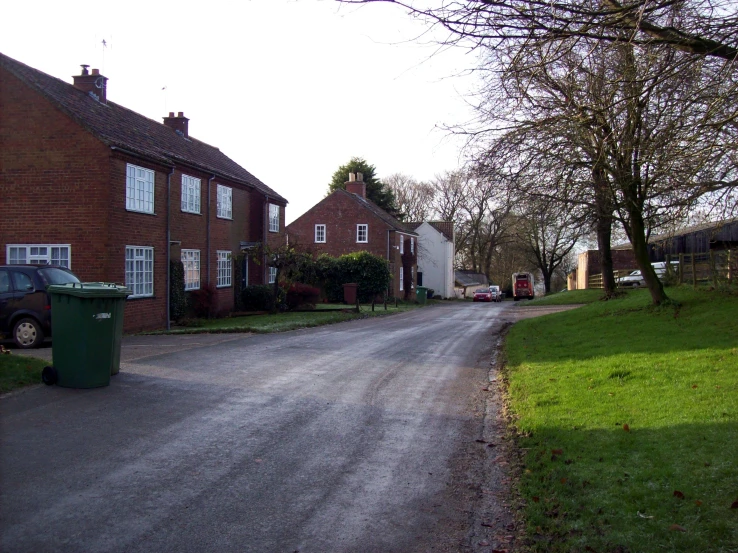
(6, 296)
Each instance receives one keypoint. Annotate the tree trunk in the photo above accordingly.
(640, 249)
(604, 210)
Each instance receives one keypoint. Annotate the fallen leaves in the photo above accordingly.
(626, 427)
(677, 528)
(640, 514)
(678, 494)
(734, 505)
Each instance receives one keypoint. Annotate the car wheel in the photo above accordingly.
(27, 333)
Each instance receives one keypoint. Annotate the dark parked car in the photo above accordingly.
(25, 306)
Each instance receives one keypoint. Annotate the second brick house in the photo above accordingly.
(346, 221)
(113, 195)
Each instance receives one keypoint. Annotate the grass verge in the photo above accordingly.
(282, 322)
(17, 371)
(628, 417)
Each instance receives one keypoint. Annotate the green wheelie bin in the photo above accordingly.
(87, 328)
(422, 294)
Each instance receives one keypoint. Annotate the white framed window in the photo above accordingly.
(320, 233)
(190, 194)
(224, 268)
(412, 278)
(39, 254)
(191, 262)
(362, 232)
(402, 275)
(140, 270)
(272, 274)
(412, 245)
(273, 218)
(225, 202)
(402, 244)
(139, 189)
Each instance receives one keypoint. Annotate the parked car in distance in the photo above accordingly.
(25, 305)
(482, 294)
(635, 278)
(496, 293)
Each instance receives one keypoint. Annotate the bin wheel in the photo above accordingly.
(49, 376)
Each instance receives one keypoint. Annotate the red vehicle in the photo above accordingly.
(482, 294)
(522, 286)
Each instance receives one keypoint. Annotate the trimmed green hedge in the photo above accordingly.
(369, 271)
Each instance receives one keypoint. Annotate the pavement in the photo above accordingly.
(361, 436)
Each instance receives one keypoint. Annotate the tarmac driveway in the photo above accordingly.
(352, 437)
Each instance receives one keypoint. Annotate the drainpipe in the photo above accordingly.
(169, 246)
(265, 271)
(207, 234)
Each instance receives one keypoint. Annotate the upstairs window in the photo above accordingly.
(272, 274)
(412, 245)
(402, 278)
(362, 233)
(225, 202)
(38, 254)
(190, 194)
(273, 218)
(139, 189)
(320, 234)
(402, 244)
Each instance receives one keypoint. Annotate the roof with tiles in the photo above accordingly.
(119, 127)
(444, 227)
(379, 212)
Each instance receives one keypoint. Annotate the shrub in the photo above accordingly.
(369, 271)
(203, 300)
(302, 294)
(177, 296)
(260, 298)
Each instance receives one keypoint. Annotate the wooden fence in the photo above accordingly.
(713, 267)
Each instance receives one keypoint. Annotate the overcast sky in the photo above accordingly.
(289, 89)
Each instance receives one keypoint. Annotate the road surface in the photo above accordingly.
(360, 436)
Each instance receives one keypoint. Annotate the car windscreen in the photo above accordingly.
(52, 275)
(482, 291)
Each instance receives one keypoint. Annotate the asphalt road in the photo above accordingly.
(352, 437)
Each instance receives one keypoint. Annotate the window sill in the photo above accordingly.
(129, 210)
(224, 286)
(134, 298)
(191, 212)
(224, 218)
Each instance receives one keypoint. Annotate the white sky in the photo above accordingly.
(289, 89)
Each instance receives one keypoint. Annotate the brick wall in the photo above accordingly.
(340, 214)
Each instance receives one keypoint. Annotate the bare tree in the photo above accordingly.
(414, 199)
(700, 27)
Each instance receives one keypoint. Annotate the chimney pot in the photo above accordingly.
(95, 71)
(84, 70)
(352, 177)
(92, 83)
(359, 177)
(180, 114)
(171, 114)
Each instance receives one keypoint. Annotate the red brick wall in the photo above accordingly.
(61, 185)
(340, 214)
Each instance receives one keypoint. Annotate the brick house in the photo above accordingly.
(114, 195)
(346, 221)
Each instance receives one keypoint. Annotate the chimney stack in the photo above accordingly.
(179, 124)
(93, 84)
(356, 185)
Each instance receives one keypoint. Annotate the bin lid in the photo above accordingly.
(90, 290)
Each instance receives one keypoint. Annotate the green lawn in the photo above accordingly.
(628, 416)
(17, 371)
(281, 322)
